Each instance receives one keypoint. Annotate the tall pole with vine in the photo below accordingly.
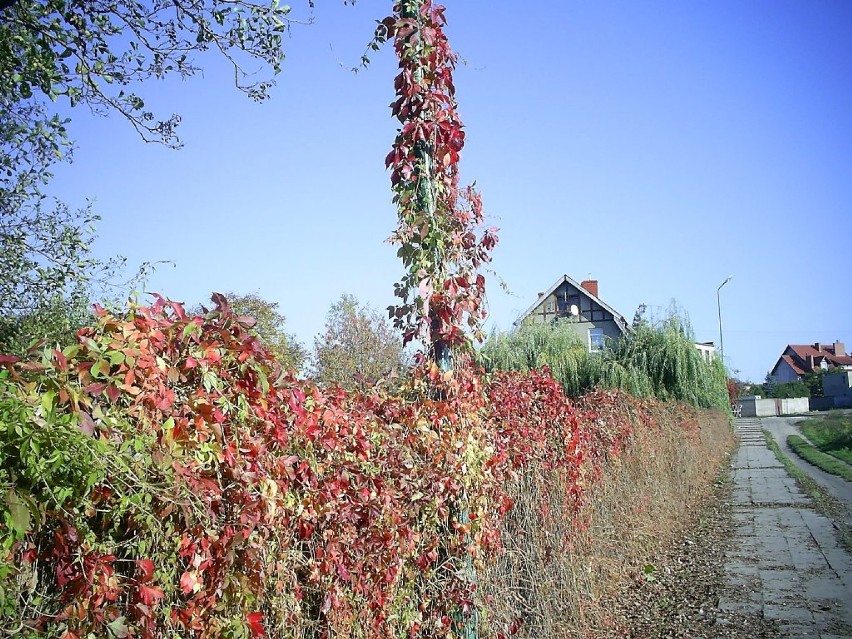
(441, 240)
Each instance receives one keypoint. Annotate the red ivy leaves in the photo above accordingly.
(288, 504)
(255, 624)
(442, 243)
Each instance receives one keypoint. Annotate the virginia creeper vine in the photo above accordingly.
(163, 477)
(442, 242)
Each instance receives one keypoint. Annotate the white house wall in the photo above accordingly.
(611, 330)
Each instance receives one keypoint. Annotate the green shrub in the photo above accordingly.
(818, 458)
(831, 434)
(788, 390)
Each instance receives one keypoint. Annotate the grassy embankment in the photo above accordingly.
(561, 570)
(823, 502)
(831, 434)
(815, 456)
(827, 443)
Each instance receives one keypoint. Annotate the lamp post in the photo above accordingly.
(719, 308)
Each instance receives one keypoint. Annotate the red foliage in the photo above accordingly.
(442, 244)
(288, 502)
(734, 390)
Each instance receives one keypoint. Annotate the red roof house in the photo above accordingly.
(798, 360)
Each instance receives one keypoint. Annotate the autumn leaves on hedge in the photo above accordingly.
(162, 476)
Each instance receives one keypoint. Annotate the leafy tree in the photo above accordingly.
(810, 385)
(48, 276)
(639, 316)
(95, 53)
(269, 328)
(55, 320)
(789, 389)
(750, 388)
(814, 381)
(656, 359)
(358, 349)
(90, 52)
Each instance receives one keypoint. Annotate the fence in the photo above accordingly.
(753, 407)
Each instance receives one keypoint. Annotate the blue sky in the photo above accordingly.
(657, 147)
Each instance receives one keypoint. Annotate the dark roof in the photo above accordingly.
(616, 315)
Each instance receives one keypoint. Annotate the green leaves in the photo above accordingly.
(100, 369)
(89, 53)
(118, 628)
(18, 512)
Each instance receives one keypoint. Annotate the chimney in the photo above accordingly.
(839, 349)
(818, 346)
(809, 360)
(591, 286)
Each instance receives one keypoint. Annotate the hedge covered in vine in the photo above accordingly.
(163, 477)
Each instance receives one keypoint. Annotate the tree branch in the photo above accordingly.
(5, 4)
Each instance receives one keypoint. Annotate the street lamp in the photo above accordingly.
(719, 307)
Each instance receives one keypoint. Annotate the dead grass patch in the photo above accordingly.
(559, 564)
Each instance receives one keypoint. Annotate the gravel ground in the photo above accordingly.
(679, 595)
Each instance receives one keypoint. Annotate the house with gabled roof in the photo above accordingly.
(798, 360)
(593, 319)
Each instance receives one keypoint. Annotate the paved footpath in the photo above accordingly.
(785, 564)
(837, 487)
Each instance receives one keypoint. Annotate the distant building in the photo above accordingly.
(707, 350)
(798, 360)
(838, 385)
(593, 320)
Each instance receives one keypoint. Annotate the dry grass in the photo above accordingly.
(559, 564)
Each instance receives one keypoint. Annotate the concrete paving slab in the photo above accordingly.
(786, 564)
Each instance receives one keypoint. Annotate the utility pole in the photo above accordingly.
(426, 200)
(719, 308)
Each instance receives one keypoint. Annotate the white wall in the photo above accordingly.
(774, 407)
(708, 353)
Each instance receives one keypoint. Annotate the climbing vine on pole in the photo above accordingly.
(442, 241)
